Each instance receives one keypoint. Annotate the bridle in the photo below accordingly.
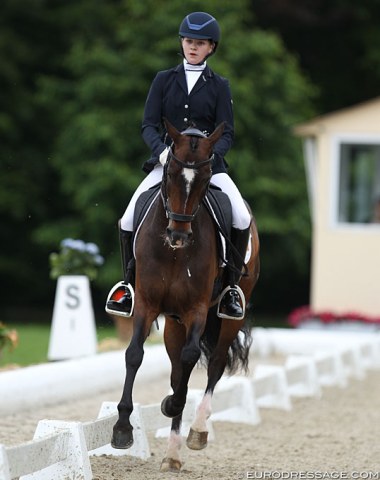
(180, 217)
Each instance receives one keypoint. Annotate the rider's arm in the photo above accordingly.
(152, 129)
(224, 113)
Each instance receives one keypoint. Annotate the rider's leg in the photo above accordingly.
(231, 303)
(124, 305)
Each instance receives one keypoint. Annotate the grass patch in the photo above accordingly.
(33, 343)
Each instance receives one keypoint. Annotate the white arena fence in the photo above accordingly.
(61, 450)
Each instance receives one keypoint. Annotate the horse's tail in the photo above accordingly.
(238, 353)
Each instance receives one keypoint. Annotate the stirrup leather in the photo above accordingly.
(116, 293)
(242, 297)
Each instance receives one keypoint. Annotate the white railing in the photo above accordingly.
(61, 449)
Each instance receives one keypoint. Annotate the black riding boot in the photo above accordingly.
(124, 305)
(230, 304)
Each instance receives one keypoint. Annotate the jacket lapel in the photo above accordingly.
(181, 77)
(202, 80)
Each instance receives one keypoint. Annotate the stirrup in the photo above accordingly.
(242, 298)
(116, 293)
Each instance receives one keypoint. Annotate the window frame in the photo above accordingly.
(336, 143)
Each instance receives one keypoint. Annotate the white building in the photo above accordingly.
(342, 158)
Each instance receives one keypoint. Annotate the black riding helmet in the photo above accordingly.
(202, 26)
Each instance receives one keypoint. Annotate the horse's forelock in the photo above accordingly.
(194, 143)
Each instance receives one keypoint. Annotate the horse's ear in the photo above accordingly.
(217, 133)
(174, 134)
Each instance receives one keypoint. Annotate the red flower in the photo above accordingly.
(304, 314)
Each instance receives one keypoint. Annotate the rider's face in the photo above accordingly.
(196, 50)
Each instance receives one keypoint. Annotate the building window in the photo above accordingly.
(359, 183)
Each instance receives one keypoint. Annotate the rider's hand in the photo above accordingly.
(164, 156)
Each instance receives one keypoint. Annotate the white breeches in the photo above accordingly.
(241, 218)
(240, 215)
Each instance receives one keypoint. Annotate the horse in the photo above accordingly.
(177, 265)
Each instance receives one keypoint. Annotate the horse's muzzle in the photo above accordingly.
(178, 239)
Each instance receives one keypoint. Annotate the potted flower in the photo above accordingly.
(73, 332)
(76, 258)
(8, 338)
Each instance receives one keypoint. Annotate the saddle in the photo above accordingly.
(217, 204)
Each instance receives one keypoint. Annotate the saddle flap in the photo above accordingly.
(143, 203)
(221, 209)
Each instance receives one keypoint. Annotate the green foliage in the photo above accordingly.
(76, 258)
(336, 41)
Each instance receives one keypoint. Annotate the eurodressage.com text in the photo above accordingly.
(306, 475)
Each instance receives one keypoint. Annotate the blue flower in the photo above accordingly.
(67, 242)
(99, 260)
(76, 258)
(92, 248)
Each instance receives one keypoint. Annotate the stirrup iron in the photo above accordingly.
(242, 297)
(116, 293)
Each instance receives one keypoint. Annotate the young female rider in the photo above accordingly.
(189, 94)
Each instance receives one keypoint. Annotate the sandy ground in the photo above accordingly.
(335, 436)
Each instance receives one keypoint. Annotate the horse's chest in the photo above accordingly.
(179, 287)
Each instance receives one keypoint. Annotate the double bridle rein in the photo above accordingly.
(179, 217)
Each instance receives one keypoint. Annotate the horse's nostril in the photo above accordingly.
(178, 239)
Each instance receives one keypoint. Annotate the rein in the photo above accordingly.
(180, 217)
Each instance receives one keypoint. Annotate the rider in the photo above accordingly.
(189, 94)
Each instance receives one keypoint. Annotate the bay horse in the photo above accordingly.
(177, 263)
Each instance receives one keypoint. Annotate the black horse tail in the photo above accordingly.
(238, 353)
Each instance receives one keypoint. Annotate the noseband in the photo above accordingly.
(180, 217)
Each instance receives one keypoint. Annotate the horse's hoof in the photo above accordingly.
(170, 465)
(197, 440)
(122, 439)
(168, 409)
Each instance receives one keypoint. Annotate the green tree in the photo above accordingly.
(336, 41)
(29, 47)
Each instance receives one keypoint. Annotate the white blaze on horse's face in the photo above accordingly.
(188, 175)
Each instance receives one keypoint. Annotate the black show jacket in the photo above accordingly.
(208, 105)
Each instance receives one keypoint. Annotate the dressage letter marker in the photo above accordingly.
(73, 332)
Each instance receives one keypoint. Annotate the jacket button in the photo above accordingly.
(185, 119)
(186, 106)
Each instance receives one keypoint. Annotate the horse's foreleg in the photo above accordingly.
(122, 436)
(197, 438)
(173, 405)
(172, 462)
(198, 434)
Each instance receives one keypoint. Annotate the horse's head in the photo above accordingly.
(186, 177)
